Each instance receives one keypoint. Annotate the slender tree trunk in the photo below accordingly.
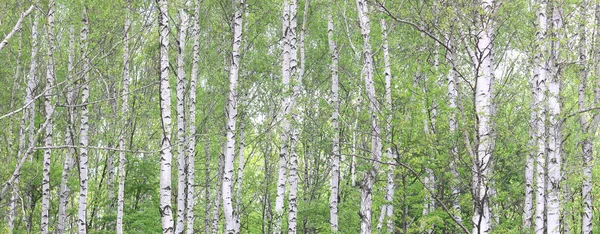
(366, 186)
(387, 209)
(287, 106)
(83, 132)
(181, 160)
(191, 139)
(297, 79)
(218, 198)
(28, 114)
(335, 164)
(554, 128)
(48, 99)
(230, 226)
(587, 146)
(124, 121)
(64, 190)
(483, 108)
(540, 123)
(165, 111)
(453, 128)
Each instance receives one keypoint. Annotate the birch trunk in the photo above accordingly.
(49, 108)
(218, 197)
(554, 128)
(540, 123)
(230, 226)
(28, 114)
(366, 186)
(453, 129)
(387, 210)
(181, 160)
(483, 108)
(587, 147)
(165, 113)
(285, 122)
(83, 132)
(335, 164)
(64, 190)
(297, 79)
(124, 121)
(191, 138)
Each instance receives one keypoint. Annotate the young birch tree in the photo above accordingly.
(554, 127)
(48, 106)
(84, 127)
(64, 190)
(230, 224)
(335, 164)
(539, 100)
(589, 128)
(191, 138)
(483, 108)
(181, 160)
(366, 185)
(124, 121)
(387, 210)
(165, 113)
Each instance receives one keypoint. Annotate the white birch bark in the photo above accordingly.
(540, 71)
(230, 226)
(124, 121)
(297, 79)
(48, 106)
(191, 138)
(83, 132)
(285, 122)
(366, 186)
(554, 128)
(181, 159)
(387, 210)
(28, 115)
(483, 108)
(17, 26)
(335, 164)
(587, 146)
(64, 190)
(453, 129)
(165, 111)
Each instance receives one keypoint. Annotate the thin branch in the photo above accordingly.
(16, 28)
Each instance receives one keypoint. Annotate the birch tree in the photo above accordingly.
(231, 113)
(366, 185)
(181, 158)
(124, 121)
(554, 127)
(286, 75)
(539, 99)
(49, 108)
(483, 109)
(64, 190)
(84, 127)
(589, 123)
(335, 164)
(165, 113)
(387, 210)
(191, 138)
